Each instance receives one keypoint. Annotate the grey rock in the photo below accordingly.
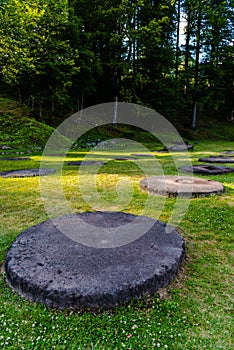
(217, 159)
(27, 172)
(207, 169)
(16, 158)
(86, 163)
(182, 186)
(5, 147)
(46, 266)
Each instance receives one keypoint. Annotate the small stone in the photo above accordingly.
(5, 147)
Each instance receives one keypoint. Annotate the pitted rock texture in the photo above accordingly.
(46, 266)
(27, 172)
(207, 169)
(182, 186)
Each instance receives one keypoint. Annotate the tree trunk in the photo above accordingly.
(196, 78)
(178, 39)
(187, 51)
(194, 120)
(40, 110)
(115, 114)
(19, 95)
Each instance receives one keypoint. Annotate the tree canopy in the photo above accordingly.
(173, 56)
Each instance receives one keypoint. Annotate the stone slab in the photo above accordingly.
(141, 155)
(86, 163)
(16, 158)
(207, 169)
(179, 147)
(229, 152)
(183, 186)
(27, 172)
(124, 158)
(217, 159)
(46, 266)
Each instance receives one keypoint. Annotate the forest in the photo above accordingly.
(60, 56)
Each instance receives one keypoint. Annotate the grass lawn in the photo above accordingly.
(194, 312)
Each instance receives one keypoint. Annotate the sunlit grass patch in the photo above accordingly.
(196, 310)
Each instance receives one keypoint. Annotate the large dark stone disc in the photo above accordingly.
(217, 159)
(46, 266)
(27, 172)
(183, 186)
(207, 169)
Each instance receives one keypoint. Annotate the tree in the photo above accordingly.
(35, 54)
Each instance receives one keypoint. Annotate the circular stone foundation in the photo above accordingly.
(46, 266)
(27, 172)
(179, 147)
(183, 186)
(229, 152)
(16, 158)
(207, 169)
(124, 158)
(86, 163)
(217, 159)
(140, 155)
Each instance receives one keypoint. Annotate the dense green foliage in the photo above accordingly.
(59, 54)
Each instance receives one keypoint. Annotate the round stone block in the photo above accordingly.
(179, 147)
(124, 158)
(217, 159)
(86, 163)
(46, 266)
(207, 169)
(183, 186)
(229, 152)
(27, 172)
(141, 155)
(16, 158)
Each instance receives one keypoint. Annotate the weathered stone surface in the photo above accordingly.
(173, 185)
(46, 266)
(141, 155)
(124, 158)
(217, 159)
(207, 169)
(27, 172)
(86, 163)
(179, 147)
(15, 158)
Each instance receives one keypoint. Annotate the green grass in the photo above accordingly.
(194, 312)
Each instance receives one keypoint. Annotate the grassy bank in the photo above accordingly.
(194, 312)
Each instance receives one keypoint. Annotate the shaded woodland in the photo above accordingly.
(60, 56)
